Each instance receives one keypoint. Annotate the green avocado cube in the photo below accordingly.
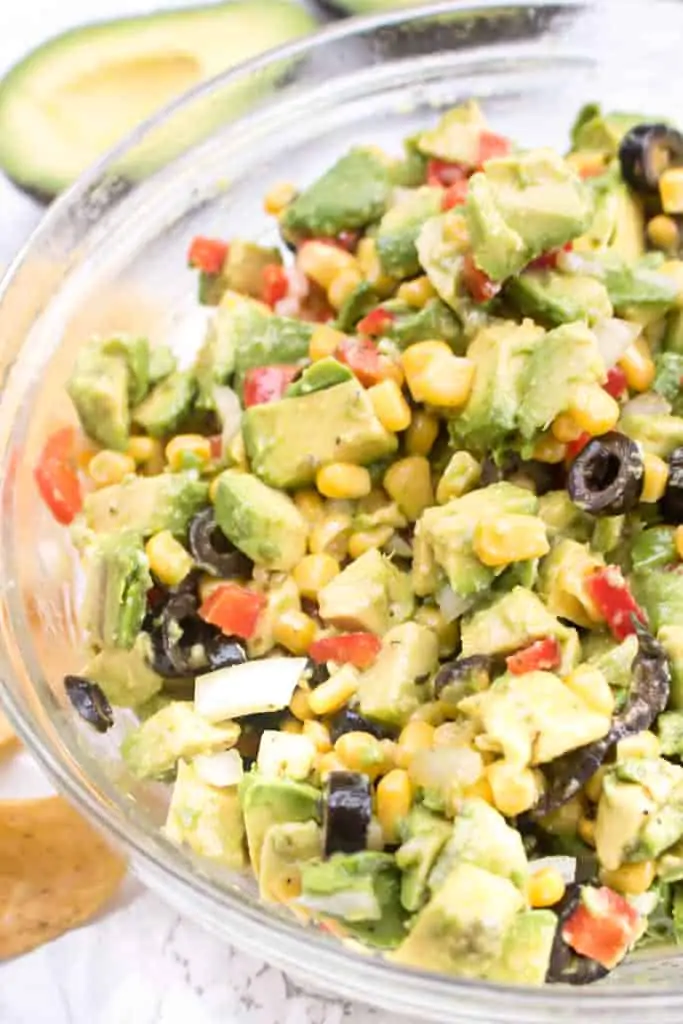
(137, 355)
(434, 320)
(637, 287)
(670, 732)
(286, 847)
(168, 405)
(273, 800)
(671, 639)
(173, 733)
(457, 137)
(660, 593)
(399, 228)
(424, 837)
(593, 130)
(162, 363)
(124, 675)
(370, 594)
(147, 504)
(481, 836)
(117, 581)
(553, 299)
(205, 818)
(325, 373)
(243, 268)
(99, 387)
(389, 690)
(527, 947)
(658, 433)
(263, 523)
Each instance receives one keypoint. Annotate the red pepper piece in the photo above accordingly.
(234, 609)
(363, 358)
(275, 283)
(375, 322)
(610, 593)
(492, 145)
(616, 382)
(267, 383)
(57, 478)
(479, 284)
(541, 655)
(440, 172)
(359, 649)
(207, 254)
(455, 195)
(604, 926)
(574, 447)
(548, 260)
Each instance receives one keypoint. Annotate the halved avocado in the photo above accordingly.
(71, 99)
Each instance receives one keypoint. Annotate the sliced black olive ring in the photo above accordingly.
(606, 478)
(672, 502)
(90, 702)
(646, 151)
(347, 812)
(212, 551)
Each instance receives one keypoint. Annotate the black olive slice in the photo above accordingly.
(224, 651)
(672, 502)
(183, 635)
(462, 677)
(606, 477)
(347, 814)
(349, 720)
(90, 702)
(212, 551)
(646, 151)
(567, 967)
(316, 672)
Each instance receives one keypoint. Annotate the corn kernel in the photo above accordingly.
(343, 480)
(431, 712)
(630, 879)
(409, 482)
(310, 504)
(443, 381)
(144, 449)
(367, 540)
(446, 632)
(188, 451)
(589, 684)
(342, 287)
(515, 789)
(678, 538)
(587, 163)
(549, 449)
(593, 409)
(638, 365)
(479, 790)
(323, 262)
(415, 357)
(593, 788)
(318, 734)
(416, 293)
(313, 573)
(168, 559)
(510, 538)
(331, 536)
(422, 433)
(279, 197)
(455, 231)
(294, 630)
(298, 705)
(564, 428)
(642, 744)
(662, 232)
(461, 475)
(390, 406)
(673, 269)
(236, 453)
(109, 467)
(360, 752)
(655, 476)
(334, 693)
(414, 737)
(394, 800)
(453, 734)
(586, 830)
(545, 888)
(325, 341)
(671, 189)
(389, 752)
(372, 269)
(329, 762)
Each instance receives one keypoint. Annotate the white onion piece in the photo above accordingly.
(229, 412)
(247, 689)
(649, 404)
(350, 904)
(398, 546)
(614, 336)
(222, 769)
(565, 866)
(445, 767)
(577, 263)
(450, 605)
(644, 902)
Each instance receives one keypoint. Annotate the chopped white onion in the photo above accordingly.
(442, 768)
(247, 689)
(577, 263)
(229, 412)
(644, 902)
(222, 769)
(350, 904)
(565, 866)
(450, 605)
(649, 404)
(614, 336)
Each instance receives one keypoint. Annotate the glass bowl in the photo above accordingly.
(110, 256)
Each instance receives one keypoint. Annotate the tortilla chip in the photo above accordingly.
(56, 872)
(8, 737)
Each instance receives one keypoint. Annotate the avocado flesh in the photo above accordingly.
(206, 819)
(369, 594)
(125, 675)
(117, 582)
(671, 639)
(70, 100)
(146, 504)
(481, 836)
(174, 732)
(525, 956)
(425, 837)
(285, 848)
(269, 801)
(389, 690)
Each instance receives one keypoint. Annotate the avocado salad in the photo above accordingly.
(386, 585)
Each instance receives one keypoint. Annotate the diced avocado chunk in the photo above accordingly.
(434, 320)
(360, 889)
(565, 357)
(637, 286)
(563, 581)
(162, 363)
(263, 523)
(594, 130)
(424, 836)
(669, 375)
(358, 304)
(399, 229)
(658, 433)
(640, 813)
(462, 474)
(553, 299)
(137, 355)
(501, 353)
(168, 405)
(174, 732)
(117, 581)
(125, 675)
(654, 548)
(457, 137)
(98, 387)
(389, 690)
(670, 732)
(286, 848)
(441, 247)
(608, 533)
(534, 718)
(616, 662)
(563, 518)
(325, 373)
(481, 836)
(205, 818)
(673, 336)
(462, 929)
(285, 453)
(661, 595)
(670, 864)
(351, 194)
(521, 206)
(671, 639)
(147, 504)
(268, 801)
(369, 594)
(243, 268)
(525, 957)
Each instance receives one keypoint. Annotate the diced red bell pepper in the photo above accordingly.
(267, 383)
(57, 478)
(575, 447)
(603, 927)
(492, 145)
(455, 195)
(479, 285)
(440, 172)
(207, 254)
(548, 260)
(610, 593)
(375, 323)
(362, 358)
(275, 283)
(359, 649)
(234, 609)
(616, 382)
(216, 442)
(348, 240)
(541, 655)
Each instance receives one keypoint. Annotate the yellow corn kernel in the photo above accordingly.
(409, 482)
(168, 559)
(109, 467)
(144, 449)
(298, 705)
(422, 433)
(515, 789)
(455, 231)
(318, 734)
(294, 630)
(360, 752)
(638, 365)
(444, 381)
(549, 449)
(310, 504)
(564, 428)
(416, 293)
(188, 451)
(510, 538)
(236, 452)
(343, 285)
(325, 341)
(372, 269)
(586, 830)
(313, 573)
(589, 684)
(416, 356)
(655, 476)
(414, 737)
(333, 694)
(292, 725)
(678, 539)
(323, 262)
(389, 752)
(481, 789)
(447, 632)
(593, 788)
(662, 231)
(545, 888)
(394, 800)
(643, 744)
(430, 712)
(343, 480)
(329, 762)
(587, 163)
(593, 409)
(331, 536)
(278, 197)
(367, 540)
(671, 190)
(630, 879)
(390, 406)
(453, 734)
(674, 270)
